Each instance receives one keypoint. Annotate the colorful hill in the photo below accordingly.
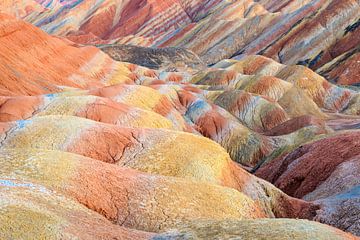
(322, 35)
(164, 146)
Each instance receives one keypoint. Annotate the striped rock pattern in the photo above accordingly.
(337, 188)
(91, 107)
(264, 76)
(244, 145)
(99, 149)
(216, 29)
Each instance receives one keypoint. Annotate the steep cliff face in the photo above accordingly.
(96, 148)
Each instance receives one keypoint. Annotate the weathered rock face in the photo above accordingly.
(326, 154)
(99, 149)
(325, 171)
(154, 58)
(335, 207)
(30, 210)
(311, 33)
(297, 123)
(126, 197)
(343, 69)
(113, 19)
(254, 229)
(21, 8)
(48, 63)
(90, 107)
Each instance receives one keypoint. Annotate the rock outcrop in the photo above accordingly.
(171, 58)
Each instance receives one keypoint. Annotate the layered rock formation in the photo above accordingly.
(321, 34)
(325, 171)
(94, 148)
(30, 211)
